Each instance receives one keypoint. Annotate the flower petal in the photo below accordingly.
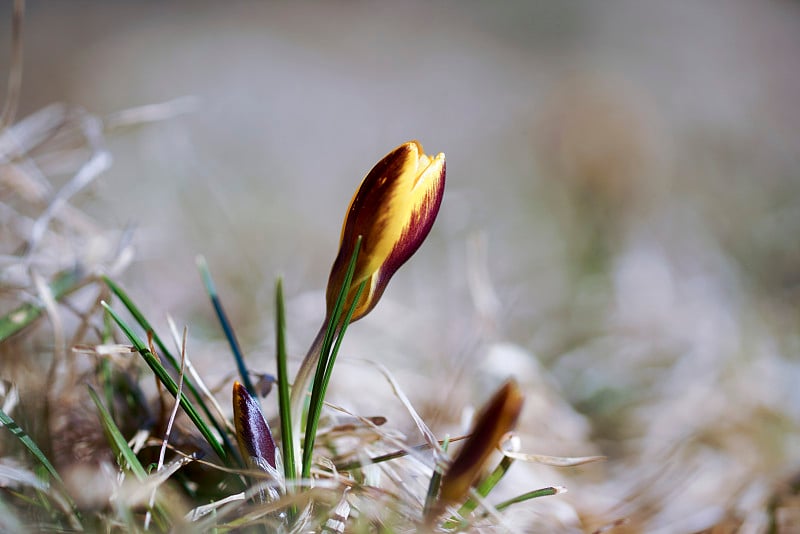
(427, 200)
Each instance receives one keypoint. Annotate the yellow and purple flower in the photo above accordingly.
(393, 211)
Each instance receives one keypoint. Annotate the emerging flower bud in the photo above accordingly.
(498, 417)
(393, 210)
(252, 431)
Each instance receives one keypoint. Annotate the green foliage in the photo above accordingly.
(170, 384)
(284, 404)
(225, 323)
(163, 376)
(328, 353)
(8, 422)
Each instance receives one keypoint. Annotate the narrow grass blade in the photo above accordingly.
(543, 492)
(8, 422)
(436, 481)
(147, 327)
(484, 488)
(318, 391)
(284, 403)
(139, 317)
(165, 378)
(317, 388)
(211, 289)
(488, 484)
(338, 307)
(64, 283)
(126, 458)
(326, 378)
(358, 464)
(44, 498)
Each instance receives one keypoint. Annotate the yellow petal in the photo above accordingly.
(393, 210)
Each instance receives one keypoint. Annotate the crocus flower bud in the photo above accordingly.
(252, 431)
(393, 211)
(498, 417)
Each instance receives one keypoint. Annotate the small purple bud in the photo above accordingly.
(252, 431)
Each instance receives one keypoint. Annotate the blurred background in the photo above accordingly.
(619, 229)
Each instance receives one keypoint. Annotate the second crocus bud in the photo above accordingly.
(495, 420)
(252, 431)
